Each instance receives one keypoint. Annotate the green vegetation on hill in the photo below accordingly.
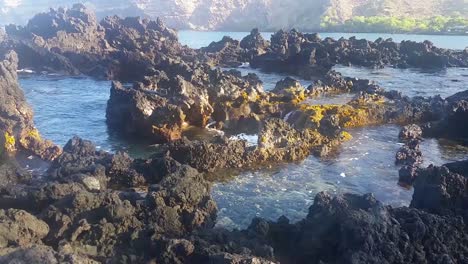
(382, 24)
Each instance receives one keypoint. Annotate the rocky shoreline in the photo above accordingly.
(91, 206)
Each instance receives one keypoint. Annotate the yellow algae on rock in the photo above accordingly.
(245, 96)
(345, 136)
(29, 137)
(357, 114)
(10, 142)
(34, 133)
(353, 117)
(317, 112)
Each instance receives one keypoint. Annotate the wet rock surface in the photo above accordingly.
(409, 155)
(358, 229)
(453, 125)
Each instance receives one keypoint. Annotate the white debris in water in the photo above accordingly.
(209, 125)
(287, 116)
(343, 175)
(252, 140)
(25, 71)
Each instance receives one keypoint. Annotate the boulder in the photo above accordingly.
(290, 89)
(137, 112)
(225, 53)
(19, 228)
(410, 132)
(442, 190)
(254, 44)
(359, 229)
(39, 254)
(409, 154)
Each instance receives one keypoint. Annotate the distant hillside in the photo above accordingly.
(342, 10)
(246, 14)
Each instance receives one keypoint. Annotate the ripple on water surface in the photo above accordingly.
(67, 106)
(413, 82)
(271, 79)
(363, 165)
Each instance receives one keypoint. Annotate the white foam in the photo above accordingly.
(25, 71)
(252, 140)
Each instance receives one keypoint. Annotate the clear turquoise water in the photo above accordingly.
(66, 106)
(363, 165)
(74, 106)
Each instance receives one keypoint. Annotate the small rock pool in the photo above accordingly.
(66, 106)
(365, 164)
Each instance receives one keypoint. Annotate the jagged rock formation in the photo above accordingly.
(309, 56)
(453, 126)
(72, 41)
(60, 219)
(355, 229)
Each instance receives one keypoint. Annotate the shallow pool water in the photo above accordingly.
(413, 82)
(271, 79)
(363, 165)
(74, 106)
